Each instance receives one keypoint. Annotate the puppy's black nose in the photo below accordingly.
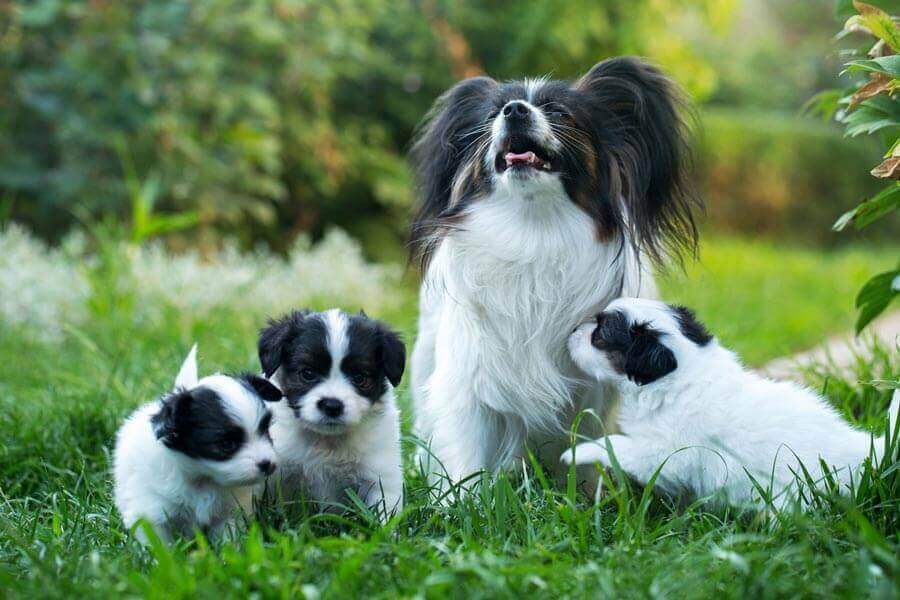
(331, 407)
(516, 111)
(267, 467)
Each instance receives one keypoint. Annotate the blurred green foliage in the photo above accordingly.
(870, 106)
(783, 175)
(263, 119)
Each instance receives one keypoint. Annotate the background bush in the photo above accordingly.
(271, 119)
(780, 174)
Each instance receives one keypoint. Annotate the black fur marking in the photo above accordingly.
(634, 350)
(446, 141)
(264, 424)
(625, 137)
(261, 386)
(196, 424)
(298, 344)
(375, 353)
(690, 327)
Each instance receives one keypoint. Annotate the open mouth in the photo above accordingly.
(522, 155)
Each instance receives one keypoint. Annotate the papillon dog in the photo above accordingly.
(339, 426)
(714, 429)
(190, 459)
(540, 201)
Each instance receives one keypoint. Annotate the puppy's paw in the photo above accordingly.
(586, 453)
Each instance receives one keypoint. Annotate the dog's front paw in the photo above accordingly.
(586, 453)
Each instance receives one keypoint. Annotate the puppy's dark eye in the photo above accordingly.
(308, 375)
(362, 380)
(229, 446)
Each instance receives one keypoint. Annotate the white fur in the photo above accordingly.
(711, 419)
(490, 370)
(175, 493)
(362, 455)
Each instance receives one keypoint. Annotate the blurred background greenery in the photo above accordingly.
(266, 119)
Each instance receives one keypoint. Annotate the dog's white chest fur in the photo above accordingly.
(499, 299)
(517, 280)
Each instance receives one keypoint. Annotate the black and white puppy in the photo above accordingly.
(537, 201)
(689, 405)
(191, 458)
(339, 428)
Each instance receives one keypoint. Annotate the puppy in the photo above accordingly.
(689, 404)
(539, 202)
(190, 458)
(339, 428)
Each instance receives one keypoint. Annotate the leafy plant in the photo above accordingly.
(274, 118)
(871, 107)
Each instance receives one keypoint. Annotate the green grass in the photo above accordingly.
(60, 536)
(767, 300)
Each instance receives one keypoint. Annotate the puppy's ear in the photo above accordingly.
(648, 359)
(393, 355)
(274, 338)
(640, 115)
(165, 422)
(264, 388)
(187, 375)
(444, 143)
(690, 327)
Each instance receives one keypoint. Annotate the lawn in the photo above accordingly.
(61, 401)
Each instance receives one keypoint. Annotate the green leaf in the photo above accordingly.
(871, 116)
(876, 295)
(885, 202)
(880, 24)
(160, 224)
(889, 65)
(824, 104)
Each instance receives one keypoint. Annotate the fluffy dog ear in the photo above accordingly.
(393, 355)
(643, 135)
(274, 337)
(648, 359)
(690, 327)
(264, 388)
(443, 144)
(187, 375)
(164, 422)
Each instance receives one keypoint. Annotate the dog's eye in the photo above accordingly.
(362, 380)
(229, 445)
(308, 375)
(555, 111)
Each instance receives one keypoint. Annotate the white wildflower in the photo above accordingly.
(41, 288)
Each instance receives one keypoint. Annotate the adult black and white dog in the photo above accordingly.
(538, 200)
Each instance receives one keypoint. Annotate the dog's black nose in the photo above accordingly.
(267, 467)
(331, 407)
(516, 111)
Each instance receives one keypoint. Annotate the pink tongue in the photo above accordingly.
(525, 157)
